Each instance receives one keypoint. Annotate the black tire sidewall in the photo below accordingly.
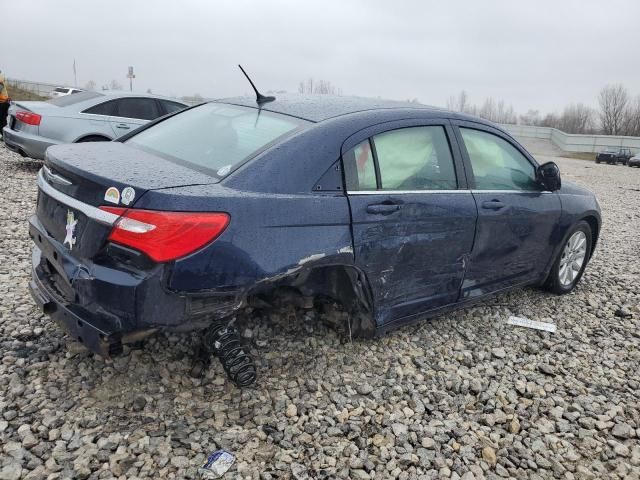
(554, 283)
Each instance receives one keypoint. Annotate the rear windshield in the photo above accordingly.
(215, 136)
(60, 90)
(76, 98)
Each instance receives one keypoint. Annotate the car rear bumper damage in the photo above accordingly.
(104, 307)
(26, 144)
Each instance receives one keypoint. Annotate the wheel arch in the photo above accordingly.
(594, 224)
(344, 283)
(92, 135)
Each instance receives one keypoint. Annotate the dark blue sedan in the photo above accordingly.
(397, 211)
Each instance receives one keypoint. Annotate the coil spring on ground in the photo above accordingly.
(225, 342)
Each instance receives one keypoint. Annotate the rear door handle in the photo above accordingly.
(493, 205)
(124, 126)
(382, 208)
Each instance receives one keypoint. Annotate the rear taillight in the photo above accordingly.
(165, 236)
(29, 118)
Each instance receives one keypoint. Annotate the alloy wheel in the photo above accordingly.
(573, 256)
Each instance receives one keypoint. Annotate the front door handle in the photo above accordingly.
(123, 126)
(493, 205)
(382, 208)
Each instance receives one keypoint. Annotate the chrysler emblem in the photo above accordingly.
(71, 228)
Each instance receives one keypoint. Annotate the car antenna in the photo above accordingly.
(260, 99)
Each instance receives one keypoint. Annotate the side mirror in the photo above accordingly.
(548, 175)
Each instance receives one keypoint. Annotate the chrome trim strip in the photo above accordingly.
(395, 192)
(52, 177)
(510, 191)
(90, 211)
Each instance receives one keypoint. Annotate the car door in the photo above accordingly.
(517, 219)
(99, 118)
(413, 219)
(132, 112)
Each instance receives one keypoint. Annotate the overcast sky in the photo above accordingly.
(535, 54)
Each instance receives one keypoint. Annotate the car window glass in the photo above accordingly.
(360, 172)
(215, 136)
(417, 158)
(105, 108)
(171, 107)
(496, 164)
(140, 108)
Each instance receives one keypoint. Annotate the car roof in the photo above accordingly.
(317, 108)
(124, 93)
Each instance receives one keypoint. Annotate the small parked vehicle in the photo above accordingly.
(634, 161)
(397, 211)
(82, 117)
(613, 156)
(63, 91)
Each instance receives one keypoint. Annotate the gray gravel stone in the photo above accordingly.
(460, 396)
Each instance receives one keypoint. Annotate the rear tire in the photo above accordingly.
(93, 138)
(572, 259)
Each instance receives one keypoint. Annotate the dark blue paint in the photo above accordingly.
(290, 214)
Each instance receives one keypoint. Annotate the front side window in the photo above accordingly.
(415, 158)
(215, 136)
(496, 164)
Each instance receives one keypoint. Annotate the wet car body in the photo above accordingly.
(393, 256)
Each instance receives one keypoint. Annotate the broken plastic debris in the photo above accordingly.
(217, 464)
(525, 322)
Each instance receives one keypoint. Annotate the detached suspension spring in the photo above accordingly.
(224, 341)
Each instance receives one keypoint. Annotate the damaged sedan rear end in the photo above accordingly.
(394, 211)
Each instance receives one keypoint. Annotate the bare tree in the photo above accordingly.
(115, 85)
(577, 118)
(632, 121)
(91, 85)
(458, 104)
(532, 117)
(613, 101)
(320, 87)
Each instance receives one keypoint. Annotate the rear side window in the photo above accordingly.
(60, 90)
(360, 169)
(140, 108)
(416, 158)
(170, 107)
(215, 136)
(105, 108)
(496, 164)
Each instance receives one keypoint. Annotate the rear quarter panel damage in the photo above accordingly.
(268, 237)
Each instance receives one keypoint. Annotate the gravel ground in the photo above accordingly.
(461, 396)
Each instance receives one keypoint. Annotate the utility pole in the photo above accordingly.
(131, 76)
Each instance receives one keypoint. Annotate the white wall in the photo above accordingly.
(574, 143)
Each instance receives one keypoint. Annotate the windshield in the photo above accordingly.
(71, 99)
(215, 136)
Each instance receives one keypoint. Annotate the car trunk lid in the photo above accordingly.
(78, 179)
